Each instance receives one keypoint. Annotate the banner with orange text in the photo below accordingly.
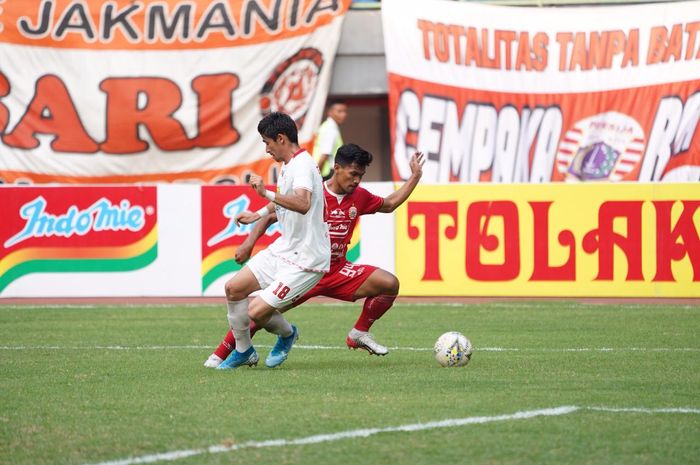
(151, 91)
(558, 240)
(503, 95)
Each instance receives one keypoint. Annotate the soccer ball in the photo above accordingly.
(453, 349)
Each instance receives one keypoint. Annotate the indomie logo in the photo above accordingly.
(230, 211)
(100, 216)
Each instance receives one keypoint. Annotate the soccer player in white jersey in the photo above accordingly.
(291, 265)
(346, 201)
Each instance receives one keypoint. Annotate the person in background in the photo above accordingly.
(328, 137)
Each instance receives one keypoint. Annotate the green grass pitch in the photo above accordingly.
(549, 383)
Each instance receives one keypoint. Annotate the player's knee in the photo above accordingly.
(391, 284)
(395, 285)
(257, 312)
(233, 292)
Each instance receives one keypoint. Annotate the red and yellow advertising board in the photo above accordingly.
(631, 240)
(90, 229)
(220, 234)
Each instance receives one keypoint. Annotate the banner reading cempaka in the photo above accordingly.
(144, 91)
(503, 94)
(581, 240)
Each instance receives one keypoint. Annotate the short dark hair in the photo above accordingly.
(334, 101)
(278, 123)
(352, 153)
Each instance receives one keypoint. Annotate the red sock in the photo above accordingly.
(226, 346)
(229, 343)
(373, 310)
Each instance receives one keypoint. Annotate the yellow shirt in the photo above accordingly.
(328, 141)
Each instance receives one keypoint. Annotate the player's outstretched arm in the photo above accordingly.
(248, 217)
(299, 201)
(244, 250)
(396, 198)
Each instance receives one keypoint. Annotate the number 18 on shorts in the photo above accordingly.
(282, 283)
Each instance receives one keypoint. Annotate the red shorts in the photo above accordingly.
(340, 283)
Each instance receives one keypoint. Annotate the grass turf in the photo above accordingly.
(98, 384)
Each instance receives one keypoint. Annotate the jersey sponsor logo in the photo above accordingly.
(338, 229)
(76, 229)
(292, 85)
(337, 213)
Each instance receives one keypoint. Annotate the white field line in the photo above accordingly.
(89, 306)
(400, 349)
(102, 306)
(363, 433)
(564, 304)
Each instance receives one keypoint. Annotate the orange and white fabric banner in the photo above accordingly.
(504, 94)
(157, 90)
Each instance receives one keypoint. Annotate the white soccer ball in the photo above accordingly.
(453, 349)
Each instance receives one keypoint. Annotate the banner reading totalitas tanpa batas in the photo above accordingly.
(501, 94)
(168, 90)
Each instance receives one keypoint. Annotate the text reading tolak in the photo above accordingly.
(102, 215)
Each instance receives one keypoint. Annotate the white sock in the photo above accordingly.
(356, 333)
(240, 323)
(279, 325)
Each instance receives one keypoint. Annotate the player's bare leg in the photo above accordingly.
(380, 291)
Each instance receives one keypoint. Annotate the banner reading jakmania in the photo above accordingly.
(143, 91)
(502, 94)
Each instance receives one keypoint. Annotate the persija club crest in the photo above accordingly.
(292, 85)
(607, 146)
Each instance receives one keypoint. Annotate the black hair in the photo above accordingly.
(278, 123)
(334, 101)
(352, 153)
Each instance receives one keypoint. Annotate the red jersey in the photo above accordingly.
(342, 213)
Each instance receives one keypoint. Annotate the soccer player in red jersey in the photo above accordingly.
(346, 201)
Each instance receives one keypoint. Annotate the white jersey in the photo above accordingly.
(304, 241)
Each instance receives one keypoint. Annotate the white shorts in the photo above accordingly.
(282, 283)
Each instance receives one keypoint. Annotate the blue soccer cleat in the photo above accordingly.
(280, 351)
(237, 359)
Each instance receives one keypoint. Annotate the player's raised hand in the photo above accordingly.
(257, 183)
(416, 164)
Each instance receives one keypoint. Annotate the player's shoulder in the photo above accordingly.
(306, 157)
(369, 202)
(361, 193)
(302, 159)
